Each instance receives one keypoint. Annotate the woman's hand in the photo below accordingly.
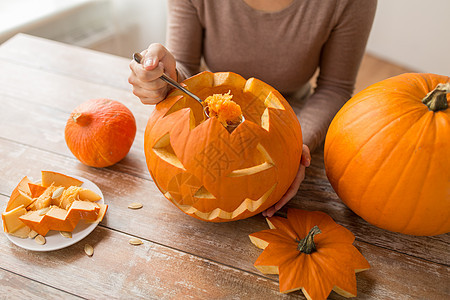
(292, 190)
(144, 77)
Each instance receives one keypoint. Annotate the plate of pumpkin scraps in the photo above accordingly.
(53, 213)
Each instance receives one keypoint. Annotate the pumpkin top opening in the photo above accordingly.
(223, 108)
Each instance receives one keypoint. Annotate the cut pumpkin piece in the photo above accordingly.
(57, 203)
(33, 219)
(36, 189)
(63, 220)
(18, 198)
(88, 195)
(84, 210)
(21, 187)
(101, 213)
(58, 179)
(11, 221)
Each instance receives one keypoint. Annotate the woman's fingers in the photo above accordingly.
(306, 156)
(145, 76)
(149, 96)
(156, 54)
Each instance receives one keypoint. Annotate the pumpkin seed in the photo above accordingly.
(89, 250)
(58, 192)
(40, 239)
(66, 234)
(135, 205)
(32, 234)
(43, 211)
(135, 242)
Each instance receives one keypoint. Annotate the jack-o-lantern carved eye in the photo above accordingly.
(164, 150)
(271, 101)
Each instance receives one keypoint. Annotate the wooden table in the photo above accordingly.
(41, 82)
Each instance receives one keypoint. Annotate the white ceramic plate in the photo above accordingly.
(54, 240)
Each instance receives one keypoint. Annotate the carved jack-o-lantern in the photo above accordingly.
(216, 175)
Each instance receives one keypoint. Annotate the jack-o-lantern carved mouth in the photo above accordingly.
(185, 189)
(184, 192)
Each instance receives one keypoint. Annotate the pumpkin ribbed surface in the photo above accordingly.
(387, 155)
(100, 132)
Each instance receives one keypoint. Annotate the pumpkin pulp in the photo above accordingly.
(436, 100)
(224, 108)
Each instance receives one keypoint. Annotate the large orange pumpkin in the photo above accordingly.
(216, 175)
(100, 132)
(387, 154)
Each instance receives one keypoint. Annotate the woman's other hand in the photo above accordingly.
(144, 77)
(292, 190)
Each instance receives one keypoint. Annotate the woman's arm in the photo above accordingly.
(184, 37)
(340, 59)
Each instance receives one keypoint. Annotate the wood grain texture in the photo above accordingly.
(120, 270)
(58, 58)
(181, 256)
(25, 288)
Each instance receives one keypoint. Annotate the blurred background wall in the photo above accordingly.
(411, 33)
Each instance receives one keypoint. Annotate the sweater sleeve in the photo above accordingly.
(184, 37)
(340, 59)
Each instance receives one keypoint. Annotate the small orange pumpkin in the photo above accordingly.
(387, 154)
(100, 132)
(218, 175)
(310, 252)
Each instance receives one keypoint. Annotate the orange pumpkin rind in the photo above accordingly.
(386, 154)
(100, 132)
(332, 266)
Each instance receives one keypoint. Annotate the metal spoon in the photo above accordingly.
(230, 127)
(138, 57)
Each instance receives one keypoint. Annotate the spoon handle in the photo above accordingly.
(138, 57)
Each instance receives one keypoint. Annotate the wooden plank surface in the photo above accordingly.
(38, 90)
(25, 288)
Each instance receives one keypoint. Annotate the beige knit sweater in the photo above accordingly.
(283, 48)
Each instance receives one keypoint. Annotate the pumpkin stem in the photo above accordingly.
(307, 245)
(80, 118)
(437, 99)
